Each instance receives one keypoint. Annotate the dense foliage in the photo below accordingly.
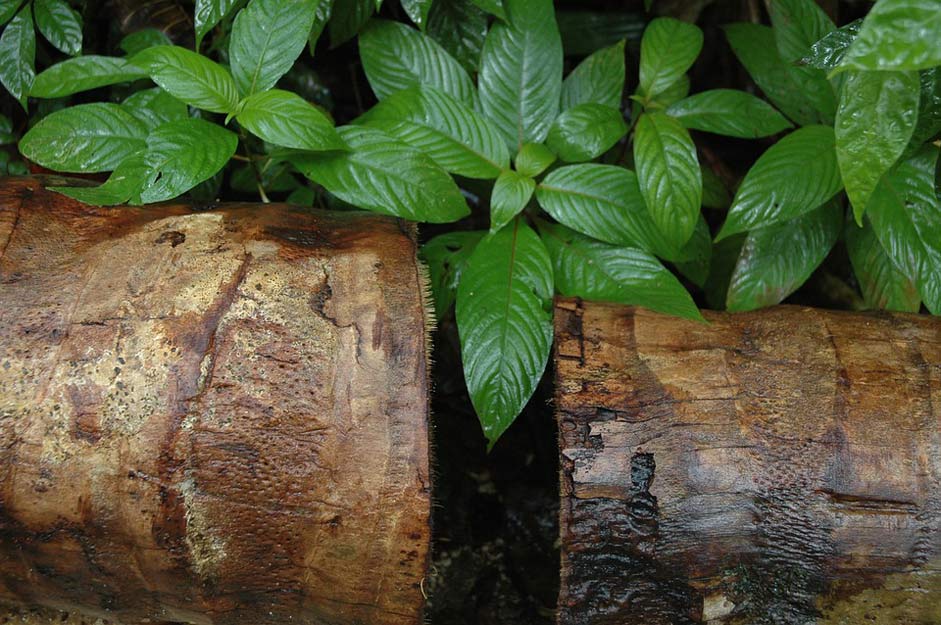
(593, 191)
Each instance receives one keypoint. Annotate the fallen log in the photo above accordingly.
(782, 466)
(212, 417)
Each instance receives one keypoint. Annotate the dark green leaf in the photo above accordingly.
(798, 25)
(725, 255)
(598, 79)
(504, 319)
(446, 256)
(494, 7)
(8, 10)
(884, 286)
(729, 112)
(667, 50)
(460, 28)
(385, 175)
(59, 24)
(87, 138)
(349, 17)
(714, 193)
(585, 132)
(286, 119)
(321, 17)
(583, 32)
(143, 39)
(898, 35)
(698, 251)
(18, 55)
(190, 77)
(6, 130)
(521, 72)
(83, 73)
(777, 259)
(533, 159)
(929, 108)
(209, 13)
(154, 107)
(510, 194)
(417, 11)
(302, 196)
(124, 183)
(828, 52)
(795, 175)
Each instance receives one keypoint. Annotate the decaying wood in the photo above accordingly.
(777, 467)
(211, 417)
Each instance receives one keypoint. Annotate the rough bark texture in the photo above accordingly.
(215, 417)
(778, 467)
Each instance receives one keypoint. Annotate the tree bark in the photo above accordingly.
(776, 467)
(212, 417)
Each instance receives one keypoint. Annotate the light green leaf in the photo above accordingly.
(586, 131)
(190, 77)
(87, 138)
(729, 112)
(877, 116)
(828, 52)
(18, 55)
(83, 73)
(451, 133)
(124, 183)
(349, 17)
(897, 35)
(417, 11)
(714, 193)
(385, 175)
(669, 96)
(521, 72)
(396, 57)
(143, 39)
(533, 159)
(154, 107)
(504, 319)
(60, 24)
(798, 25)
(460, 28)
(494, 7)
(208, 14)
(597, 271)
(884, 286)
(446, 256)
(669, 175)
(267, 37)
(510, 194)
(777, 259)
(286, 119)
(795, 175)
(599, 79)
(667, 50)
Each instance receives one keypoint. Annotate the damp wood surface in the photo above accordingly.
(213, 417)
(781, 467)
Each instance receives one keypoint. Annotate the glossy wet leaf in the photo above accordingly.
(798, 25)
(190, 77)
(446, 256)
(598, 79)
(321, 17)
(124, 183)
(668, 48)
(18, 55)
(828, 52)
(8, 10)
(884, 286)
(585, 132)
(417, 11)
(286, 119)
(729, 112)
(511, 192)
(82, 74)
(460, 27)
(60, 24)
(897, 35)
(208, 13)
(494, 7)
(533, 159)
(929, 108)
(154, 107)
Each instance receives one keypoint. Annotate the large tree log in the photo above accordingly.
(777, 467)
(211, 417)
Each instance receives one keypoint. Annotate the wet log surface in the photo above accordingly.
(211, 417)
(776, 467)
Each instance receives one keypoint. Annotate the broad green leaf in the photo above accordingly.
(798, 25)
(801, 93)
(897, 35)
(599, 79)
(929, 108)
(583, 32)
(87, 138)
(451, 133)
(182, 153)
(729, 112)
(533, 159)
(669, 96)
(494, 7)
(18, 55)
(396, 57)
(8, 10)
(669, 175)
(828, 52)
(504, 320)
(154, 107)
(385, 175)
(698, 254)
(884, 286)
(190, 77)
(286, 119)
(417, 11)
(667, 50)
(209, 13)
(725, 255)
(585, 132)
(906, 217)
(877, 116)
(597, 271)
(267, 37)
(460, 28)
(60, 24)
(604, 202)
(321, 17)
(795, 175)
(6, 130)
(302, 196)
(83, 73)
(348, 18)
(124, 183)
(714, 193)
(446, 256)
(777, 259)
(510, 194)
(521, 72)
(143, 39)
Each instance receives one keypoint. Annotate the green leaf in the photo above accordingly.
(669, 96)
(593, 270)
(504, 319)
(795, 175)
(446, 256)
(87, 138)
(417, 11)
(729, 112)
(533, 159)
(385, 175)
(302, 196)
(82, 74)
(493, 7)
(510, 194)
(877, 116)
(604, 202)
(586, 132)
(583, 32)
(143, 39)
(452, 134)
(897, 35)
(798, 25)
(884, 286)
(6, 130)
(190, 77)
(321, 17)
(714, 193)
(777, 259)
(18, 55)
(725, 255)
(396, 57)
(349, 17)
(669, 175)
(124, 183)
(521, 72)
(209, 13)
(828, 52)
(8, 10)
(286, 119)
(59, 24)
(460, 28)
(698, 252)
(267, 37)
(182, 153)
(599, 79)
(667, 50)
(154, 107)
(906, 217)
(929, 108)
